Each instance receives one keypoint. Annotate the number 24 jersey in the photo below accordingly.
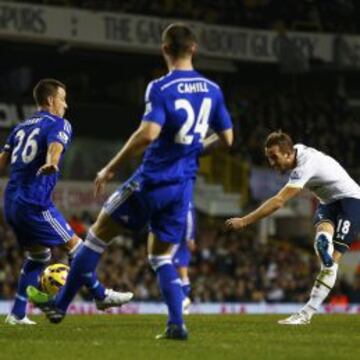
(185, 104)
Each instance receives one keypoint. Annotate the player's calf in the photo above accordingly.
(82, 270)
(90, 279)
(30, 272)
(321, 289)
(170, 286)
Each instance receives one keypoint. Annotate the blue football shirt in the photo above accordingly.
(185, 104)
(28, 144)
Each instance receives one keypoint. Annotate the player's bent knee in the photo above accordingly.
(183, 272)
(157, 247)
(75, 247)
(42, 256)
(73, 244)
(157, 261)
(325, 226)
(105, 228)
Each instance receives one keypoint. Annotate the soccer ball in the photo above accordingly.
(53, 278)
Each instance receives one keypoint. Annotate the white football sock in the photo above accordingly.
(323, 284)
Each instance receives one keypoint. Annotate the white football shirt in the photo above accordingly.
(322, 175)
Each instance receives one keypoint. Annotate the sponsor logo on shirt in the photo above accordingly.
(295, 175)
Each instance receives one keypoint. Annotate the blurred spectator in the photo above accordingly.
(354, 293)
(78, 226)
(304, 115)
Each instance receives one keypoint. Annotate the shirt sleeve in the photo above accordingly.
(221, 120)
(300, 176)
(9, 144)
(60, 132)
(154, 105)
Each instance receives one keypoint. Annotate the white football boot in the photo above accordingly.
(13, 320)
(113, 299)
(186, 306)
(296, 319)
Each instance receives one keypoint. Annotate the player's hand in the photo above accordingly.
(102, 177)
(236, 223)
(47, 169)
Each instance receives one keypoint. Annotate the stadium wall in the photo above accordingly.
(85, 28)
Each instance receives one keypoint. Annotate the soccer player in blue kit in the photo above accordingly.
(180, 107)
(34, 150)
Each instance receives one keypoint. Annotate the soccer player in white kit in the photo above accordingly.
(337, 216)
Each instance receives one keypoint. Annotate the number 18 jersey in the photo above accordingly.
(27, 145)
(185, 104)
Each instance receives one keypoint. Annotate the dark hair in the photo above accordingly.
(178, 37)
(280, 139)
(45, 88)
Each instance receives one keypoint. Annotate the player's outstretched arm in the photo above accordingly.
(53, 155)
(138, 142)
(267, 208)
(4, 160)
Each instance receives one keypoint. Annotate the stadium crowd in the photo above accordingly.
(304, 117)
(225, 267)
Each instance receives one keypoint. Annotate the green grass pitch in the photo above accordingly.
(131, 337)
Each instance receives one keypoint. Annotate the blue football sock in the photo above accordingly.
(170, 286)
(91, 281)
(82, 269)
(30, 274)
(95, 287)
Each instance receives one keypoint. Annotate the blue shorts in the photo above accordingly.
(182, 253)
(344, 214)
(164, 208)
(33, 225)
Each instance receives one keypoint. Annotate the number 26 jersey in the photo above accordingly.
(27, 145)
